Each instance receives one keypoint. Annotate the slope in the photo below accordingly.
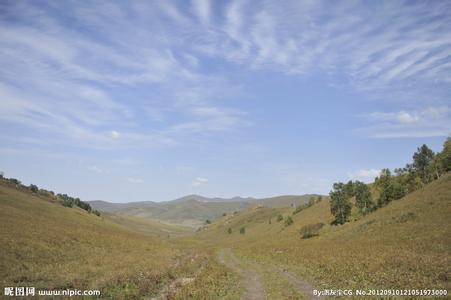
(49, 246)
(406, 244)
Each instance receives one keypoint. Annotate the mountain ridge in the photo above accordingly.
(194, 210)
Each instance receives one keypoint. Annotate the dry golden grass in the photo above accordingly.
(404, 245)
(48, 246)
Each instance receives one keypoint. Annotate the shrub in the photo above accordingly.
(298, 209)
(34, 188)
(96, 212)
(14, 181)
(242, 230)
(279, 218)
(288, 221)
(229, 231)
(207, 221)
(67, 203)
(310, 230)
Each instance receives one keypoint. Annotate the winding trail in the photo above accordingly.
(253, 288)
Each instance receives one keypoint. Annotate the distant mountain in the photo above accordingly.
(216, 199)
(194, 210)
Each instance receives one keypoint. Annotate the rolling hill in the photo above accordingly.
(405, 244)
(194, 210)
(49, 246)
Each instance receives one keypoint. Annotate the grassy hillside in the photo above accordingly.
(406, 244)
(194, 210)
(47, 245)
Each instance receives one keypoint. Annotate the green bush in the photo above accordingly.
(279, 218)
(242, 230)
(288, 221)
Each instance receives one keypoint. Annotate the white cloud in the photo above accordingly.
(426, 122)
(95, 169)
(364, 175)
(115, 135)
(135, 180)
(199, 181)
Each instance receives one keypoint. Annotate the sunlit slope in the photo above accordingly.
(46, 245)
(194, 210)
(149, 227)
(406, 244)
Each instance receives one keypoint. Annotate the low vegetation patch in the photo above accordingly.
(311, 230)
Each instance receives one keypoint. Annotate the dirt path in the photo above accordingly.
(253, 288)
(303, 287)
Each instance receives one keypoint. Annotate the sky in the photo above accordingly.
(152, 100)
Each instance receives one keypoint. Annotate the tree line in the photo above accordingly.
(426, 166)
(65, 200)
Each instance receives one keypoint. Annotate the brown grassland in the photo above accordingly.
(406, 244)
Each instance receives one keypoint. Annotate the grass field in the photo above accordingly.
(46, 245)
(406, 244)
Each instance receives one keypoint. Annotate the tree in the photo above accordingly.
(363, 198)
(319, 199)
(349, 189)
(340, 206)
(311, 201)
(229, 231)
(34, 188)
(288, 221)
(442, 162)
(207, 221)
(422, 161)
(390, 187)
(14, 181)
(242, 230)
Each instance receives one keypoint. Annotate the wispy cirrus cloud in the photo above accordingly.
(427, 122)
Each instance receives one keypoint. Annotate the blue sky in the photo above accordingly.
(152, 100)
